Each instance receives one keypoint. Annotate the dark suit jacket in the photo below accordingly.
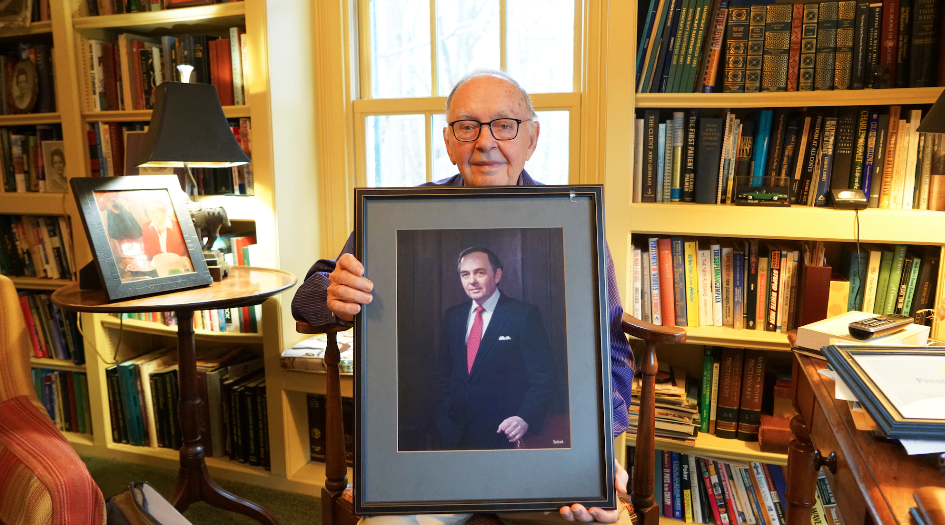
(513, 376)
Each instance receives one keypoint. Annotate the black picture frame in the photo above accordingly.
(130, 256)
(557, 233)
(880, 406)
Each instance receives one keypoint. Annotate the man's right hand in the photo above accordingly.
(347, 288)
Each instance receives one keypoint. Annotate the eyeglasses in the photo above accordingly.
(502, 129)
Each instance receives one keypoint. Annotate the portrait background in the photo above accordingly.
(428, 284)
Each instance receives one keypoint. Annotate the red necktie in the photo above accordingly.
(475, 336)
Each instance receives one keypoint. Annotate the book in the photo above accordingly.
(705, 291)
(794, 55)
(755, 55)
(843, 56)
(825, 162)
(654, 279)
(679, 281)
(736, 50)
(667, 298)
(691, 290)
(749, 411)
(730, 377)
(860, 45)
(808, 59)
(316, 424)
(708, 157)
(777, 43)
(894, 278)
(827, 22)
(705, 400)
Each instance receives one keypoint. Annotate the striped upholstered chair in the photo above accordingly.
(42, 479)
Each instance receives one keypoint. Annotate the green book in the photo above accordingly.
(683, 36)
(895, 276)
(694, 54)
(79, 403)
(859, 148)
(885, 264)
(910, 291)
(705, 401)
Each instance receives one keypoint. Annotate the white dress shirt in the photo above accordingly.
(489, 306)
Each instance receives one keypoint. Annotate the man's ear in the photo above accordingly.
(533, 138)
(449, 147)
(498, 275)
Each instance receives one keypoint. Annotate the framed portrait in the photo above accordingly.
(24, 86)
(16, 13)
(141, 234)
(901, 387)
(54, 166)
(482, 364)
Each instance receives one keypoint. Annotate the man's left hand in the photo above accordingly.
(514, 428)
(577, 512)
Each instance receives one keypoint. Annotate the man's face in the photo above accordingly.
(479, 280)
(21, 83)
(487, 161)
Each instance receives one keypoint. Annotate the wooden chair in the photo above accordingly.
(337, 508)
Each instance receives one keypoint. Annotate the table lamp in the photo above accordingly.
(934, 122)
(188, 129)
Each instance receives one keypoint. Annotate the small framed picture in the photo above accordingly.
(54, 166)
(482, 367)
(901, 387)
(15, 13)
(24, 86)
(141, 234)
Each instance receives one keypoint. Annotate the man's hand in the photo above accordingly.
(514, 428)
(577, 512)
(347, 289)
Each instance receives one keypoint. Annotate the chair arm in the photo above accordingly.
(304, 328)
(652, 333)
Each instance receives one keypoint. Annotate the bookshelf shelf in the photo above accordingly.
(868, 97)
(34, 204)
(218, 16)
(35, 28)
(27, 119)
(39, 283)
(142, 115)
(726, 449)
(148, 327)
(796, 222)
(722, 336)
(221, 463)
(57, 364)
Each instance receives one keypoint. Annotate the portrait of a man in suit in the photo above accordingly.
(496, 376)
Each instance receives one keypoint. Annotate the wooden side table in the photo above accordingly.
(245, 286)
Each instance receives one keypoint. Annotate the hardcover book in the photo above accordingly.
(749, 410)
(872, 46)
(730, 387)
(756, 44)
(826, 162)
(736, 49)
(825, 66)
(794, 56)
(708, 158)
(777, 46)
(846, 30)
(713, 49)
(860, 46)
(808, 64)
(843, 147)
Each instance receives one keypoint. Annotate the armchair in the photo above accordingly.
(337, 507)
(42, 479)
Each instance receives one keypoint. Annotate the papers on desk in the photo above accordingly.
(836, 331)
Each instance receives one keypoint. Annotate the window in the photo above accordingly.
(413, 51)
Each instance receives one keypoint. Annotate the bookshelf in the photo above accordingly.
(626, 217)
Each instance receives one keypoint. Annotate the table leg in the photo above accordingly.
(802, 478)
(194, 482)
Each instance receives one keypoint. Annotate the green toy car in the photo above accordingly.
(762, 196)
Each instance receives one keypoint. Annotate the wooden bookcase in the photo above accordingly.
(280, 101)
(625, 217)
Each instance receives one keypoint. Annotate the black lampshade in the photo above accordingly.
(934, 122)
(188, 125)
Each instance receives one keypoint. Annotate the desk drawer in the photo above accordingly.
(843, 483)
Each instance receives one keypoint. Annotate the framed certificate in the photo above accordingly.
(902, 388)
(482, 366)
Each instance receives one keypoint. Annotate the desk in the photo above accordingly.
(873, 480)
(245, 286)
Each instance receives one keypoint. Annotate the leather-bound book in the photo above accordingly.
(749, 409)
(730, 389)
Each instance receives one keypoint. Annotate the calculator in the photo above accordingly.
(878, 326)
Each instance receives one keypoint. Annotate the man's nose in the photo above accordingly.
(485, 140)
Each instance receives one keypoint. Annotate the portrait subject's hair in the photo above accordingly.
(493, 73)
(57, 153)
(493, 258)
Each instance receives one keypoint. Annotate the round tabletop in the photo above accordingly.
(245, 285)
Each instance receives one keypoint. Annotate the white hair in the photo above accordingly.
(478, 73)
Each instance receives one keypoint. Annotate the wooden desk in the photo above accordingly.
(244, 287)
(873, 480)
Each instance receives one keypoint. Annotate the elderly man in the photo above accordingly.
(492, 130)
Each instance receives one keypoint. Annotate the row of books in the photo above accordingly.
(123, 74)
(32, 159)
(770, 286)
(317, 421)
(117, 7)
(20, 83)
(53, 332)
(66, 398)
(706, 158)
(143, 396)
(36, 246)
(804, 46)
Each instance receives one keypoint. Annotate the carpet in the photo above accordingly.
(113, 476)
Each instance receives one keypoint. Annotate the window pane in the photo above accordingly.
(540, 44)
(396, 150)
(400, 48)
(442, 167)
(467, 34)
(549, 163)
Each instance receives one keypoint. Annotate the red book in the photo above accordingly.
(116, 138)
(728, 488)
(93, 154)
(108, 70)
(225, 72)
(30, 325)
(889, 42)
(794, 58)
(667, 300)
(137, 47)
(214, 66)
(73, 413)
(707, 480)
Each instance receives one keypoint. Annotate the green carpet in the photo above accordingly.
(113, 476)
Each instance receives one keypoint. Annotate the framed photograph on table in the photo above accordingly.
(901, 387)
(482, 365)
(141, 234)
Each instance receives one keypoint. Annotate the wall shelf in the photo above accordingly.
(57, 364)
(38, 283)
(144, 115)
(148, 327)
(198, 19)
(714, 447)
(799, 99)
(28, 119)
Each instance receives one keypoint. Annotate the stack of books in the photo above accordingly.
(677, 406)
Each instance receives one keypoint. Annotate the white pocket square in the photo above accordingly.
(504, 338)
